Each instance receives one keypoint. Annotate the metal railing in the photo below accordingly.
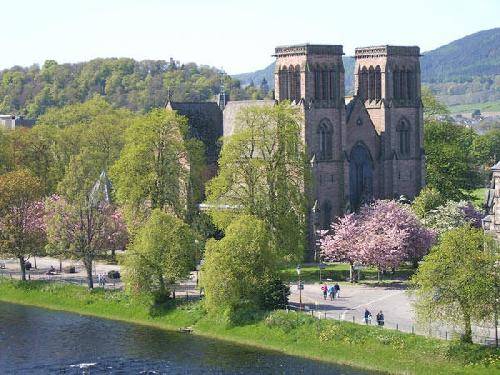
(480, 335)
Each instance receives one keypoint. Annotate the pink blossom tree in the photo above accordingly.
(383, 235)
(82, 232)
(22, 229)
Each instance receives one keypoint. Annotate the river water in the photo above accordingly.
(38, 341)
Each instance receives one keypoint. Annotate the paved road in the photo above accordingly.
(393, 301)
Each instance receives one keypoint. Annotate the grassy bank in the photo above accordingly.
(292, 333)
(340, 272)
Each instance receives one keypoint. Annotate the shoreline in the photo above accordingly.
(298, 342)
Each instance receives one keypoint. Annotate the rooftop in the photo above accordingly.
(376, 51)
(308, 49)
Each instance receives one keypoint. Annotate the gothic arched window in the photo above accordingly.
(291, 83)
(324, 84)
(317, 83)
(325, 131)
(297, 84)
(371, 83)
(403, 129)
(363, 83)
(378, 83)
(402, 84)
(283, 84)
(331, 84)
(395, 83)
(409, 84)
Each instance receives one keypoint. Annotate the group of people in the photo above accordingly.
(101, 279)
(368, 317)
(333, 291)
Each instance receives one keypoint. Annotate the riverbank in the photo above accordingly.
(292, 333)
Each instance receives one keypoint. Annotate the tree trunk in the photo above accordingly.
(88, 268)
(351, 272)
(467, 337)
(22, 263)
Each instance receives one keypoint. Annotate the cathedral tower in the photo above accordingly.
(312, 76)
(387, 80)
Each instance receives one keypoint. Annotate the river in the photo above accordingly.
(39, 341)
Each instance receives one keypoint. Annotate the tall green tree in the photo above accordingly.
(154, 169)
(432, 106)
(456, 281)
(162, 253)
(236, 267)
(263, 171)
(451, 166)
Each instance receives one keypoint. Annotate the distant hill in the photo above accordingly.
(123, 82)
(465, 71)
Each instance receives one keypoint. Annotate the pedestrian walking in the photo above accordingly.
(368, 317)
(324, 289)
(99, 279)
(331, 292)
(380, 318)
(337, 290)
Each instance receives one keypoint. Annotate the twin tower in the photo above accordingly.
(365, 147)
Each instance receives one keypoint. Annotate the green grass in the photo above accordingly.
(291, 333)
(340, 272)
(483, 107)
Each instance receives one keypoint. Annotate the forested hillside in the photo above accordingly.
(124, 82)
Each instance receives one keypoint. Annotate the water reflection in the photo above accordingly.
(37, 341)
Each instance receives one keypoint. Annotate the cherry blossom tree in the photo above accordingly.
(22, 229)
(82, 232)
(384, 235)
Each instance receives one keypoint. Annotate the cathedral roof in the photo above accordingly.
(496, 167)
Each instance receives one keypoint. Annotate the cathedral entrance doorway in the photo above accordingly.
(360, 176)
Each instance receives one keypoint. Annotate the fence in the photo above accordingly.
(480, 335)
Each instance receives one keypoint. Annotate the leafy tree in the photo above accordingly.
(136, 85)
(161, 254)
(80, 232)
(21, 216)
(5, 154)
(82, 224)
(456, 282)
(451, 167)
(383, 235)
(236, 266)
(452, 215)
(263, 171)
(432, 106)
(154, 168)
(429, 199)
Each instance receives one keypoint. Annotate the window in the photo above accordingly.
(363, 83)
(371, 83)
(378, 83)
(324, 84)
(297, 84)
(395, 83)
(403, 130)
(325, 140)
(317, 83)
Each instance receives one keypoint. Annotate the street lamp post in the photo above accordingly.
(300, 287)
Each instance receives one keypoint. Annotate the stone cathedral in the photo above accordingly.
(366, 147)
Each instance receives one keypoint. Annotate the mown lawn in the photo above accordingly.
(291, 333)
(340, 272)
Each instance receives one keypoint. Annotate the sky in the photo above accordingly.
(237, 36)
